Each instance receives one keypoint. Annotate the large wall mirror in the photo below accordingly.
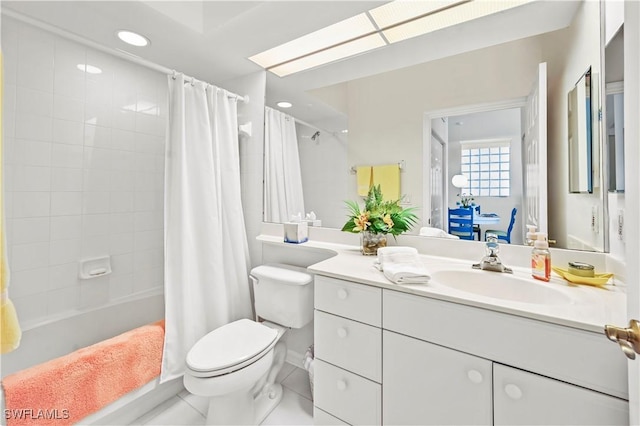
(472, 87)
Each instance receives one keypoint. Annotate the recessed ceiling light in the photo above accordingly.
(284, 104)
(344, 131)
(132, 38)
(89, 69)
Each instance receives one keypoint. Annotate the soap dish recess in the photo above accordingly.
(95, 267)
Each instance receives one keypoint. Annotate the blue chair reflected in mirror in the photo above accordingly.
(461, 223)
(504, 235)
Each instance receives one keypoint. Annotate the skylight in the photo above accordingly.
(395, 21)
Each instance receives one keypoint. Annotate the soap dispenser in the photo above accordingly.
(541, 258)
(531, 235)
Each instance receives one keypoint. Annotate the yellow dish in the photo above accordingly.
(598, 279)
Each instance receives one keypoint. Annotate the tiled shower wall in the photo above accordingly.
(84, 172)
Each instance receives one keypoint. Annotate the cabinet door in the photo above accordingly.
(523, 398)
(429, 384)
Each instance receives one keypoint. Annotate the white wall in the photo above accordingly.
(386, 111)
(84, 168)
(569, 53)
(491, 125)
(325, 174)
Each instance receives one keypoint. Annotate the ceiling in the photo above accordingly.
(211, 40)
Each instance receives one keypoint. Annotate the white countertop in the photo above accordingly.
(590, 308)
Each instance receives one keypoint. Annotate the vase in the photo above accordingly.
(370, 242)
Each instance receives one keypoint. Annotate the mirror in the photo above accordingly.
(580, 135)
(386, 114)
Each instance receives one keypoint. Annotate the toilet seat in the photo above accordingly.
(230, 348)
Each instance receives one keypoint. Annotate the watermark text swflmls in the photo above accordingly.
(36, 414)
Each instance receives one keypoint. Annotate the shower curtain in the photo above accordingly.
(206, 251)
(282, 177)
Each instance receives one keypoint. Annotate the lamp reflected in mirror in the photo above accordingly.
(460, 181)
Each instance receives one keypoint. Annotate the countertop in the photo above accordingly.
(587, 308)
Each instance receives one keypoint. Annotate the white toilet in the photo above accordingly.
(235, 365)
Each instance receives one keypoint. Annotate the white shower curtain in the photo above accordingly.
(283, 195)
(206, 251)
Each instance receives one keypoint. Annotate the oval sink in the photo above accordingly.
(500, 286)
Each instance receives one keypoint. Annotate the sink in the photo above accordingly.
(500, 286)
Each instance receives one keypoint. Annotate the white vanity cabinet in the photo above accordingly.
(385, 356)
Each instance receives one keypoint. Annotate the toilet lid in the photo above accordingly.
(230, 345)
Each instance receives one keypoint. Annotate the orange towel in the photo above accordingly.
(65, 390)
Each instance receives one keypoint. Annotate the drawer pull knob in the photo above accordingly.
(342, 332)
(475, 376)
(342, 294)
(342, 385)
(513, 391)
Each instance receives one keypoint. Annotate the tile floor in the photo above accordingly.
(295, 408)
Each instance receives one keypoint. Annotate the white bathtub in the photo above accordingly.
(56, 337)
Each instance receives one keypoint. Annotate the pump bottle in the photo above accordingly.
(541, 258)
(531, 235)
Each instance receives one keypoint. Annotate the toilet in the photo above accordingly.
(236, 365)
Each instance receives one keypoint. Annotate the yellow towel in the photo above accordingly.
(10, 332)
(388, 177)
(364, 174)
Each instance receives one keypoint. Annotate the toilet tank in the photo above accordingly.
(283, 294)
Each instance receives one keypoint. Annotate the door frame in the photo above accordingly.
(445, 172)
(426, 141)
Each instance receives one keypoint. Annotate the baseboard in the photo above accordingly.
(136, 403)
(295, 358)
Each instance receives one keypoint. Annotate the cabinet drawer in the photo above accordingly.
(523, 398)
(349, 344)
(345, 395)
(356, 301)
(321, 418)
(540, 347)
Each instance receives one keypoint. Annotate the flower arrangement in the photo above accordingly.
(466, 200)
(378, 216)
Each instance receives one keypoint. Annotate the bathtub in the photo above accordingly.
(62, 335)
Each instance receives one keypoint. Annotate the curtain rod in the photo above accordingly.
(94, 45)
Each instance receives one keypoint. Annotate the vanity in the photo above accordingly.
(507, 350)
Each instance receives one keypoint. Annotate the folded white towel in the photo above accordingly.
(428, 231)
(402, 265)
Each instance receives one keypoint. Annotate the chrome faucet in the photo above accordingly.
(491, 261)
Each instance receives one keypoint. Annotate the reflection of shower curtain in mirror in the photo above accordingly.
(282, 177)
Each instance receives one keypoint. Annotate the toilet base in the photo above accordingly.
(266, 402)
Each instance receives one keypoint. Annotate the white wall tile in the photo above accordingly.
(68, 132)
(37, 102)
(122, 264)
(97, 158)
(147, 201)
(30, 230)
(66, 227)
(9, 38)
(31, 178)
(63, 179)
(121, 222)
(67, 155)
(9, 109)
(33, 127)
(64, 275)
(29, 282)
(31, 153)
(96, 180)
(97, 136)
(120, 286)
(121, 180)
(145, 279)
(35, 64)
(148, 240)
(145, 181)
(62, 300)
(95, 246)
(95, 225)
(99, 115)
(64, 251)
(147, 221)
(144, 162)
(29, 256)
(94, 292)
(124, 119)
(65, 108)
(95, 202)
(31, 308)
(123, 140)
(99, 93)
(121, 202)
(123, 161)
(66, 203)
(69, 86)
(31, 204)
(148, 259)
(121, 243)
